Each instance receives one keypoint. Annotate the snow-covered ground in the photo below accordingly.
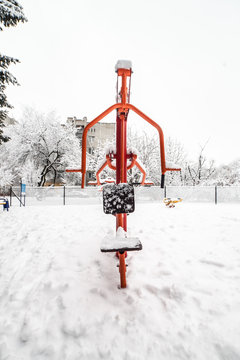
(59, 296)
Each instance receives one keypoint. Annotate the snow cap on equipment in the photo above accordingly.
(123, 64)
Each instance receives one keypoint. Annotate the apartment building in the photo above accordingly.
(99, 133)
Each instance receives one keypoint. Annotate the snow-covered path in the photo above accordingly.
(59, 296)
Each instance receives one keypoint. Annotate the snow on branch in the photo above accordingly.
(11, 13)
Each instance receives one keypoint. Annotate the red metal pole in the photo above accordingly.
(121, 146)
(121, 162)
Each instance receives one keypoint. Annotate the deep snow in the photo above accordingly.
(59, 295)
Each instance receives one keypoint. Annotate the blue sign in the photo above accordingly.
(23, 188)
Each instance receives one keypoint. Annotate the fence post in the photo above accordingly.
(10, 196)
(215, 195)
(20, 193)
(64, 194)
(165, 191)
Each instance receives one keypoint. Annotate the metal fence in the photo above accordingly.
(75, 195)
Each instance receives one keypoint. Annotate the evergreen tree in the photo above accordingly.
(11, 13)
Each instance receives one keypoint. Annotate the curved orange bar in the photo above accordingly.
(160, 132)
(99, 171)
(173, 169)
(84, 137)
(73, 170)
(109, 163)
(134, 158)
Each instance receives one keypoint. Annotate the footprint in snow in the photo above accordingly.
(170, 292)
(99, 292)
(60, 303)
(214, 263)
(226, 352)
(74, 330)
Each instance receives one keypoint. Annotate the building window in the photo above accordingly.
(91, 150)
(90, 175)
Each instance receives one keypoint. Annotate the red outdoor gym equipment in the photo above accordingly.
(124, 71)
(111, 158)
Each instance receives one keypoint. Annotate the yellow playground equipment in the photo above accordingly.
(171, 202)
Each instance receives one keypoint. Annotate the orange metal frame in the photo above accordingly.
(108, 163)
(121, 157)
(123, 108)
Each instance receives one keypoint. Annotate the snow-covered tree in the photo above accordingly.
(40, 148)
(148, 149)
(95, 160)
(175, 158)
(11, 13)
(200, 171)
(227, 174)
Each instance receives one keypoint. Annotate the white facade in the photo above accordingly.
(98, 134)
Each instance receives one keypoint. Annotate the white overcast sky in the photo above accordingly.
(185, 55)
